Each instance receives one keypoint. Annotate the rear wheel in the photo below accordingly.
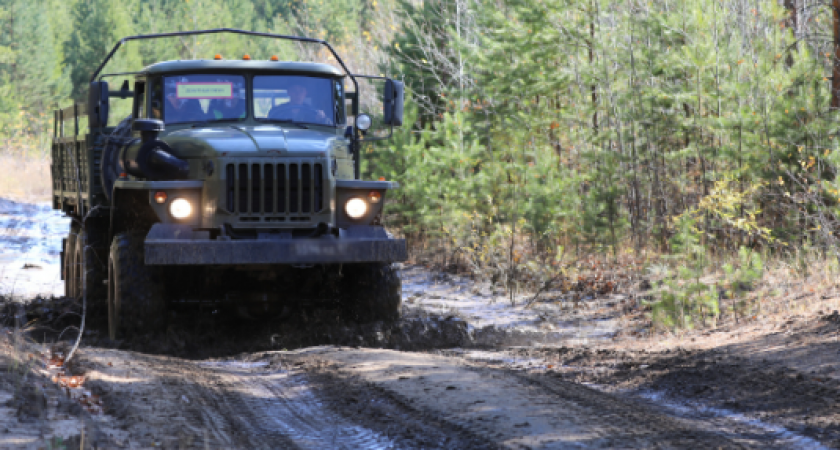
(371, 292)
(90, 271)
(136, 301)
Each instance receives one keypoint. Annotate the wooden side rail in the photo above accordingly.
(74, 112)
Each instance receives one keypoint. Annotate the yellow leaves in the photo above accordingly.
(732, 205)
(740, 61)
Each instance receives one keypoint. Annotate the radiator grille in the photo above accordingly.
(274, 191)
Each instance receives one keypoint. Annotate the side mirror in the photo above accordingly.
(394, 98)
(98, 104)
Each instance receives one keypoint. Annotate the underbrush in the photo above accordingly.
(692, 286)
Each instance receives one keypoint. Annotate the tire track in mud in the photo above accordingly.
(165, 402)
(528, 411)
(284, 407)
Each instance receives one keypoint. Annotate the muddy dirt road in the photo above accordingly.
(463, 369)
(329, 397)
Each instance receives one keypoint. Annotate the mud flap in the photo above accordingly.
(63, 246)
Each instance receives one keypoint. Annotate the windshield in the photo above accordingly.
(300, 99)
(203, 98)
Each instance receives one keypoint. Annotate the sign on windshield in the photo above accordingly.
(204, 90)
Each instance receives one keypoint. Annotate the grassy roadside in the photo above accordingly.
(25, 176)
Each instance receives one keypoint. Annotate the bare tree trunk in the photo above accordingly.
(591, 58)
(835, 73)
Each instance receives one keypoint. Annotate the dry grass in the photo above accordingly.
(805, 283)
(25, 176)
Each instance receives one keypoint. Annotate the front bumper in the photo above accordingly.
(169, 244)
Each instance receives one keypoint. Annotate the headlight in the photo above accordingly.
(180, 208)
(355, 208)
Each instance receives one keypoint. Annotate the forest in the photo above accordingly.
(680, 137)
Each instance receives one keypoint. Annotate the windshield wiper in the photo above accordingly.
(270, 120)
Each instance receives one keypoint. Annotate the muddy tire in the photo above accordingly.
(136, 302)
(371, 292)
(69, 262)
(86, 260)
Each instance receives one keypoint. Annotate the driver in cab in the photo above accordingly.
(297, 109)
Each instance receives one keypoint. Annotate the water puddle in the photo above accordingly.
(730, 422)
(30, 246)
(495, 320)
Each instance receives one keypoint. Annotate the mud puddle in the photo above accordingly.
(495, 320)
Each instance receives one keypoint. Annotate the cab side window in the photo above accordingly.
(156, 94)
(139, 99)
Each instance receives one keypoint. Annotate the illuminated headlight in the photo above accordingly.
(180, 208)
(355, 208)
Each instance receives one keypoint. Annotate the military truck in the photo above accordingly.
(233, 183)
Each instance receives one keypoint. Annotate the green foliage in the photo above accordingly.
(686, 300)
(742, 277)
(99, 25)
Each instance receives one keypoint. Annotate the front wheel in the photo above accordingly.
(136, 301)
(371, 292)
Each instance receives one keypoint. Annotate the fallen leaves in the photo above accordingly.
(72, 385)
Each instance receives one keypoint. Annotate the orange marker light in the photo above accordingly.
(247, 57)
(160, 197)
(374, 196)
(275, 58)
(381, 178)
(217, 57)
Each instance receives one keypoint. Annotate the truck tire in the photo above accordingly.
(136, 301)
(86, 259)
(371, 292)
(69, 263)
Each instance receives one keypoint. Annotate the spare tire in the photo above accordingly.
(108, 163)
